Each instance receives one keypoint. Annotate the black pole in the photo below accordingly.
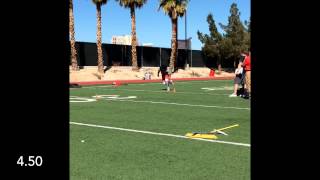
(185, 24)
(185, 41)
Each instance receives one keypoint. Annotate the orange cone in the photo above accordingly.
(211, 74)
(116, 83)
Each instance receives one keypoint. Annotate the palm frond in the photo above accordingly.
(132, 3)
(101, 2)
(170, 7)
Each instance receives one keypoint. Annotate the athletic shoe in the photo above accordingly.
(232, 95)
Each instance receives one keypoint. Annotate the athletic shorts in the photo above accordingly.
(239, 79)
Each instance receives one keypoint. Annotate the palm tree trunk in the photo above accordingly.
(134, 39)
(219, 64)
(74, 62)
(219, 67)
(99, 43)
(174, 44)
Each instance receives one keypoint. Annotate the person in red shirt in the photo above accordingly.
(247, 67)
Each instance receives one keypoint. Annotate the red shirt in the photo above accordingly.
(247, 63)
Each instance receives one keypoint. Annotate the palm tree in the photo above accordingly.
(133, 4)
(98, 4)
(74, 62)
(175, 9)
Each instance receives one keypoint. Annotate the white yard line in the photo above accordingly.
(178, 104)
(159, 134)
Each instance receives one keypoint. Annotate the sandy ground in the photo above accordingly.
(125, 73)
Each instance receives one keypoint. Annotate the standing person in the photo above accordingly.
(147, 76)
(239, 79)
(169, 82)
(247, 67)
(163, 70)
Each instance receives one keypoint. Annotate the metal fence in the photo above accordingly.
(120, 55)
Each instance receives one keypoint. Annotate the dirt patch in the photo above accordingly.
(126, 73)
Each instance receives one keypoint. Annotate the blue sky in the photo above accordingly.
(152, 26)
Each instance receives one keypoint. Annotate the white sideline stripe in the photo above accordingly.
(91, 87)
(160, 91)
(159, 134)
(157, 83)
(191, 82)
(178, 104)
(159, 102)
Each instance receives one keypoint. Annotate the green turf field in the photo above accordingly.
(100, 151)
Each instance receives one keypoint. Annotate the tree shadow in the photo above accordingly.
(74, 85)
(98, 75)
(106, 69)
